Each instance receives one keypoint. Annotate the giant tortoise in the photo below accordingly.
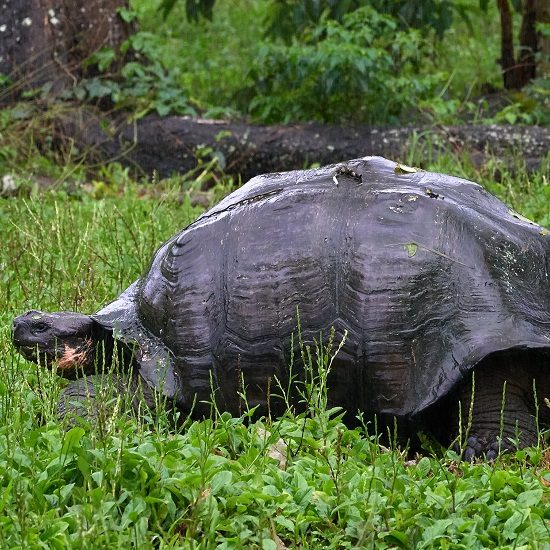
(429, 277)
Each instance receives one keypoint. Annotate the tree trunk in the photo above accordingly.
(543, 40)
(517, 72)
(46, 41)
(507, 60)
(527, 43)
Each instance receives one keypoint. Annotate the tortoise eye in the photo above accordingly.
(40, 327)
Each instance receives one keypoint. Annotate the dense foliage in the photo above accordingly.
(383, 62)
(376, 62)
(356, 70)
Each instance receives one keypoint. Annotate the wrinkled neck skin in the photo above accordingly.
(70, 343)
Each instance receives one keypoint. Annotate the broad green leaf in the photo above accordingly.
(72, 439)
(399, 538)
(65, 491)
(498, 480)
(512, 524)
(126, 14)
(285, 522)
(83, 465)
(529, 498)
(436, 529)
(220, 480)
(98, 477)
(133, 510)
(423, 466)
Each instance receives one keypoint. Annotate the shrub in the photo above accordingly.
(363, 69)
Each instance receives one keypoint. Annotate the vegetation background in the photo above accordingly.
(76, 232)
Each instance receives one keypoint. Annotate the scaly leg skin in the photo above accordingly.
(512, 417)
(85, 399)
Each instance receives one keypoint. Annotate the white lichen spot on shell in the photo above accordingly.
(27, 22)
(3, 28)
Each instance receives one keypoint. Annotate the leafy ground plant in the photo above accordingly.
(300, 481)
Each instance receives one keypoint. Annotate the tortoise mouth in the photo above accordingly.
(66, 361)
(38, 354)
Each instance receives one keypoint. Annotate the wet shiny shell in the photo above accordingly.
(427, 275)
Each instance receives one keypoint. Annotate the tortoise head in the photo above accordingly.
(45, 338)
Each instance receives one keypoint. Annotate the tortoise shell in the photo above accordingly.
(426, 275)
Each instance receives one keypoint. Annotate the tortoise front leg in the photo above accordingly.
(101, 396)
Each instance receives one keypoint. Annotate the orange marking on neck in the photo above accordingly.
(74, 357)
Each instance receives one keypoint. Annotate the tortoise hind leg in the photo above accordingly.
(100, 396)
(503, 413)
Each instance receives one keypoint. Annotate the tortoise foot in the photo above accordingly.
(482, 447)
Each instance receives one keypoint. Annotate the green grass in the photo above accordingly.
(305, 482)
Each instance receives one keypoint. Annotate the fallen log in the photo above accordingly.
(172, 145)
